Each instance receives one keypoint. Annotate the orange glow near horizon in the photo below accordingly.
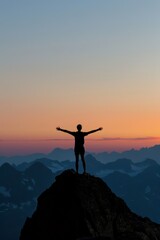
(23, 147)
(42, 124)
(29, 132)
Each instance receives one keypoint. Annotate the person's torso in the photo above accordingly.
(79, 139)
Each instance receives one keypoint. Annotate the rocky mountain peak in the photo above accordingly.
(79, 206)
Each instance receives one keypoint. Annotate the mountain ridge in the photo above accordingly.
(84, 207)
(19, 190)
(104, 157)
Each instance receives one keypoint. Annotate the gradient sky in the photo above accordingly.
(89, 62)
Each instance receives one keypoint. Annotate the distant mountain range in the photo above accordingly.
(134, 155)
(22, 180)
(58, 154)
(141, 192)
(18, 195)
(104, 157)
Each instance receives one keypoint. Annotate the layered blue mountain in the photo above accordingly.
(104, 157)
(141, 192)
(21, 183)
(135, 155)
(53, 165)
(18, 195)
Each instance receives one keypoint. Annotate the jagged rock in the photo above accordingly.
(80, 207)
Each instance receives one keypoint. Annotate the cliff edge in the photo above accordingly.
(80, 206)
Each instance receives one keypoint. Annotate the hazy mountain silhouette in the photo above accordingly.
(18, 159)
(83, 207)
(146, 163)
(53, 165)
(9, 176)
(141, 192)
(42, 176)
(93, 165)
(20, 189)
(61, 155)
(18, 194)
(121, 164)
(125, 166)
(135, 155)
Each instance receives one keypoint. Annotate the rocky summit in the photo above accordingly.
(79, 206)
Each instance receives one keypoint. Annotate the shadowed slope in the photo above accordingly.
(82, 206)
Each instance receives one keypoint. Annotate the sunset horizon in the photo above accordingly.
(64, 63)
(13, 147)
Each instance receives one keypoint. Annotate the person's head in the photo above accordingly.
(79, 127)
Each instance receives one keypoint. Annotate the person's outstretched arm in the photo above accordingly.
(95, 130)
(64, 130)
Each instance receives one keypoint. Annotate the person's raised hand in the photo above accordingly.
(58, 128)
(100, 128)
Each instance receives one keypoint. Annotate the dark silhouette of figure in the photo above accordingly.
(79, 143)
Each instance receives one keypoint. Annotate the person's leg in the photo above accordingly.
(83, 162)
(77, 161)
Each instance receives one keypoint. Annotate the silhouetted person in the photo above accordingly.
(79, 143)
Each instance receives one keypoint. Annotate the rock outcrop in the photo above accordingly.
(79, 206)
